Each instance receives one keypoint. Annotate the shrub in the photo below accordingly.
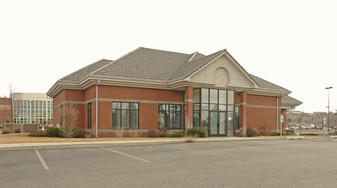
(153, 133)
(53, 132)
(290, 131)
(17, 130)
(178, 134)
(119, 132)
(70, 131)
(38, 134)
(283, 134)
(251, 132)
(8, 121)
(309, 134)
(196, 132)
(287, 134)
(134, 133)
(5, 130)
(163, 132)
(84, 134)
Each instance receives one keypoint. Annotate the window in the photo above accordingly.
(61, 114)
(196, 107)
(89, 115)
(169, 116)
(221, 104)
(124, 115)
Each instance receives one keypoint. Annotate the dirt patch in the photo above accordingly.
(24, 138)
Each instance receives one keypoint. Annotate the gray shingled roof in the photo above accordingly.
(290, 100)
(265, 84)
(145, 64)
(85, 71)
(154, 65)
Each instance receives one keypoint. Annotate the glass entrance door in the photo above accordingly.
(222, 123)
(214, 123)
(218, 123)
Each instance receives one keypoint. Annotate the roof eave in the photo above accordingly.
(59, 86)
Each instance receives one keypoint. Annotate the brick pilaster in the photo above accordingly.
(243, 112)
(189, 107)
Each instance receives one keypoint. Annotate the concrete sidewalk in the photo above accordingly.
(128, 142)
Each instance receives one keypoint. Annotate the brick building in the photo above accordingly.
(150, 88)
(5, 110)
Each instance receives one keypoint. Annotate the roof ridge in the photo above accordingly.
(164, 51)
(115, 60)
(82, 69)
(195, 53)
(215, 54)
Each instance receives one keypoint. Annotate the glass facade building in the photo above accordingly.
(32, 108)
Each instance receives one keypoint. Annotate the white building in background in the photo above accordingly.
(32, 108)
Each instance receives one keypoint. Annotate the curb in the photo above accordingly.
(84, 144)
(294, 138)
(124, 142)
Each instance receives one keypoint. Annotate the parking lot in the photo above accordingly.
(253, 163)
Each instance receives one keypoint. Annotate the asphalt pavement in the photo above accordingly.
(236, 163)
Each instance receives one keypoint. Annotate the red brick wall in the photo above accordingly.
(57, 100)
(148, 110)
(69, 95)
(148, 116)
(261, 113)
(5, 109)
(140, 94)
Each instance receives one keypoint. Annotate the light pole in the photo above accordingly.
(328, 88)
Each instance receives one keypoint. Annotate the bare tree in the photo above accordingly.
(69, 115)
(16, 105)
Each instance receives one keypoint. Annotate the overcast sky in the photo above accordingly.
(290, 43)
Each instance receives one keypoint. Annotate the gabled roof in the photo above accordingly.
(146, 67)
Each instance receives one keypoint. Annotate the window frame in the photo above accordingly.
(169, 112)
(226, 103)
(129, 111)
(89, 115)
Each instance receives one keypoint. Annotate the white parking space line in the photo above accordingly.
(208, 153)
(127, 155)
(41, 160)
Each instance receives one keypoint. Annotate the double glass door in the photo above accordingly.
(218, 123)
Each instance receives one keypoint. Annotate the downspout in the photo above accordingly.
(277, 114)
(98, 82)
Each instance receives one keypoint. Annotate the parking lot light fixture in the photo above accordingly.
(328, 88)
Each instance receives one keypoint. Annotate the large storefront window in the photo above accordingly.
(124, 115)
(214, 110)
(169, 116)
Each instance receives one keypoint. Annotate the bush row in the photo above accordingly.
(6, 130)
(283, 134)
(65, 132)
(163, 132)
